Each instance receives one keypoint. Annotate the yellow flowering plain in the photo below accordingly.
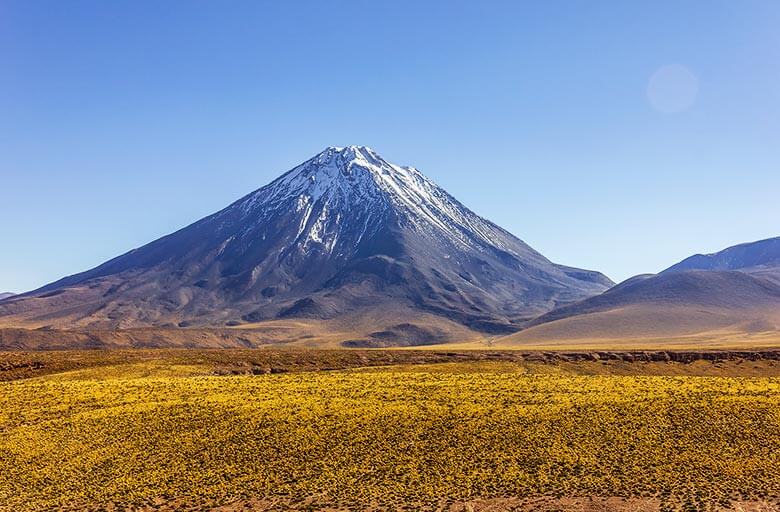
(142, 435)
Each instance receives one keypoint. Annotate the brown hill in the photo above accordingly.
(719, 308)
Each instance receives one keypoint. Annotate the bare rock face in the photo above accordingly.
(345, 233)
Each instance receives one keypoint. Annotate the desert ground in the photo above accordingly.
(477, 430)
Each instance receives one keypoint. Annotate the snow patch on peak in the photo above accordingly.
(341, 181)
(348, 149)
(348, 154)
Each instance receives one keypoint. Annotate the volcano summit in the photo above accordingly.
(346, 238)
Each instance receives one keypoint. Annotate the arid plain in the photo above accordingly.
(291, 429)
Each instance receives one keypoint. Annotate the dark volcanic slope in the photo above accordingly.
(735, 290)
(344, 233)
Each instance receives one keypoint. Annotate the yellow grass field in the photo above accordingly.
(169, 435)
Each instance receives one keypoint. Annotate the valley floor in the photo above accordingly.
(387, 430)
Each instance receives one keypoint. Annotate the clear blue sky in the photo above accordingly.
(609, 135)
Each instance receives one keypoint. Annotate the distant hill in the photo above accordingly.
(752, 256)
(733, 294)
(761, 259)
(5, 295)
(375, 250)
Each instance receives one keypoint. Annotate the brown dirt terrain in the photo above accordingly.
(537, 504)
(540, 504)
(509, 504)
(16, 365)
(652, 327)
(370, 329)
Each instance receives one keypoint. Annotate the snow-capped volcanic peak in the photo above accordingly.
(347, 172)
(342, 179)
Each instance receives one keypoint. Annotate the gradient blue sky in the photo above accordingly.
(123, 121)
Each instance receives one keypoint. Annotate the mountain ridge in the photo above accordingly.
(745, 257)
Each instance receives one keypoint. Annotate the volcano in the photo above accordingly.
(341, 236)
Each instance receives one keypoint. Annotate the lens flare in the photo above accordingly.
(672, 89)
